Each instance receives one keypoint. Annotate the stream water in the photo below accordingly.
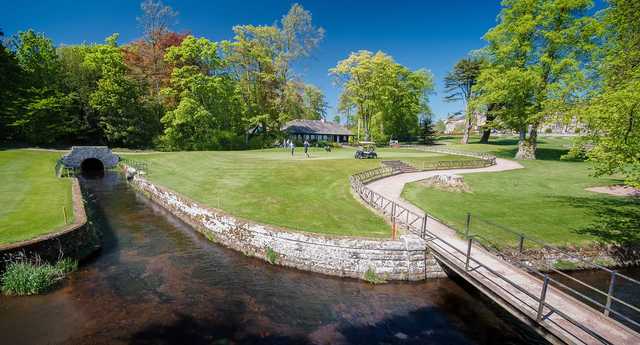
(156, 281)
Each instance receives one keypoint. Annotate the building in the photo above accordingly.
(316, 130)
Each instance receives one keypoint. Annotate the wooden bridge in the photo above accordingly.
(557, 311)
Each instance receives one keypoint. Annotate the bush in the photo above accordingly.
(31, 277)
(372, 277)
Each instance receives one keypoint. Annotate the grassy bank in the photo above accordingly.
(272, 187)
(546, 199)
(32, 197)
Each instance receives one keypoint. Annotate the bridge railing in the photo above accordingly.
(601, 296)
(138, 165)
(419, 225)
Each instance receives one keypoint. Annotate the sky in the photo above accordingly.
(418, 34)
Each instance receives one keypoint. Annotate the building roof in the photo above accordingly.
(315, 127)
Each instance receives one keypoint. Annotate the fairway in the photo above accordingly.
(272, 187)
(32, 197)
(546, 200)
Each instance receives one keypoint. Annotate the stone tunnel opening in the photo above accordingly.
(92, 167)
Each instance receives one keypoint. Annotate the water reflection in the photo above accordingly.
(156, 281)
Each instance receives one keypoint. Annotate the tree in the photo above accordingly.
(427, 132)
(386, 96)
(11, 80)
(537, 52)
(261, 59)
(155, 20)
(205, 109)
(612, 112)
(45, 113)
(124, 117)
(315, 105)
(459, 84)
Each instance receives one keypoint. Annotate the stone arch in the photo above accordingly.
(80, 154)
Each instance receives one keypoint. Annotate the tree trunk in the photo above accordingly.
(527, 146)
(467, 130)
(486, 133)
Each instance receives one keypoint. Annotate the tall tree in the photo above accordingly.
(207, 112)
(156, 20)
(612, 111)
(459, 84)
(11, 79)
(537, 53)
(386, 96)
(427, 134)
(315, 105)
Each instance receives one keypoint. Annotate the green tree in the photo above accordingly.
(459, 84)
(612, 111)
(315, 105)
(208, 112)
(537, 52)
(386, 96)
(124, 117)
(427, 132)
(11, 80)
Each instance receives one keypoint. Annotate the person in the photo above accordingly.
(306, 148)
(292, 146)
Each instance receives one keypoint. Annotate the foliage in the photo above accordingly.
(387, 97)
(372, 277)
(427, 133)
(31, 277)
(272, 256)
(613, 110)
(537, 52)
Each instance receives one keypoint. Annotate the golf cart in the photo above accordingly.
(367, 149)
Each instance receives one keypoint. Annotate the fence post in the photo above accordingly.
(64, 211)
(543, 296)
(393, 211)
(467, 225)
(612, 284)
(466, 264)
(521, 244)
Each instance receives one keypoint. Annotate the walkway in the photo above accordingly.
(491, 275)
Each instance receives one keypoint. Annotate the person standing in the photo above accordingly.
(292, 146)
(306, 148)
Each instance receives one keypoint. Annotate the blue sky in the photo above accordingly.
(419, 34)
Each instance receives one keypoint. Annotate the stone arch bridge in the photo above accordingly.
(90, 157)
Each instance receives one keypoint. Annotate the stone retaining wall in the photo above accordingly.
(403, 259)
(77, 240)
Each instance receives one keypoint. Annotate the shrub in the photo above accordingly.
(371, 277)
(30, 277)
(272, 256)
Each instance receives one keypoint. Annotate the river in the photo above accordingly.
(156, 281)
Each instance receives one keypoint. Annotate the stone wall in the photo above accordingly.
(403, 259)
(77, 240)
(79, 153)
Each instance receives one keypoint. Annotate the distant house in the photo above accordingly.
(316, 130)
(454, 124)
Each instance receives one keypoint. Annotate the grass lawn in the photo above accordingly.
(32, 197)
(546, 199)
(270, 186)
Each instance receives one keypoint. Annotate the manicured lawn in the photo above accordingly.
(270, 186)
(546, 199)
(31, 196)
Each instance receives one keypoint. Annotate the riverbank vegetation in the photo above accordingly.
(31, 195)
(32, 277)
(546, 200)
(272, 187)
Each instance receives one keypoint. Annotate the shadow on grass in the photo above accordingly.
(617, 224)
